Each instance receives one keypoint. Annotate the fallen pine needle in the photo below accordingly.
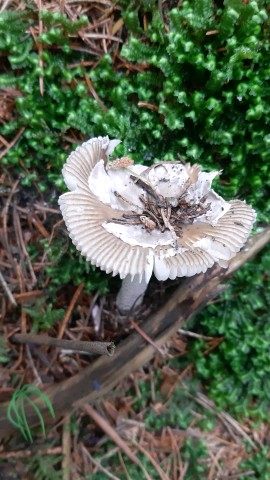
(159, 470)
(69, 310)
(110, 431)
(98, 464)
(146, 337)
(66, 448)
(7, 290)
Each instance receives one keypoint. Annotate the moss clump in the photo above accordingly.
(208, 78)
(238, 370)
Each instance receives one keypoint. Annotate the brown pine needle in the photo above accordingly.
(111, 432)
(12, 143)
(98, 464)
(70, 309)
(146, 337)
(7, 290)
(66, 448)
(159, 470)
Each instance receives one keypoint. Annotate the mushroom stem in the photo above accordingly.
(131, 293)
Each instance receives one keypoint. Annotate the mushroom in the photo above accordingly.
(134, 220)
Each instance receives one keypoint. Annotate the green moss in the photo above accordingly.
(238, 371)
(259, 464)
(213, 89)
(210, 92)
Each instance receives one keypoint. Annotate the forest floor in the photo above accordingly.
(158, 422)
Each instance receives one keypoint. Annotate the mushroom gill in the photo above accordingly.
(135, 220)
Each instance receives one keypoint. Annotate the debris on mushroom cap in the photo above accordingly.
(163, 219)
(120, 163)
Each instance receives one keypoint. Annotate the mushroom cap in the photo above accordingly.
(99, 196)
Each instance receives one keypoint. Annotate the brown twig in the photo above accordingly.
(56, 225)
(35, 220)
(212, 32)
(92, 348)
(40, 50)
(43, 208)
(39, 47)
(25, 297)
(5, 5)
(7, 290)
(4, 215)
(4, 141)
(28, 453)
(35, 372)
(66, 448)
(21, 243)
(150, 106)
(94, 93)
(12, 143)
(70, 309)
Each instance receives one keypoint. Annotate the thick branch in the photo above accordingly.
(133, 352)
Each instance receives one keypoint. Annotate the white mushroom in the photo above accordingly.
(135, 220)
